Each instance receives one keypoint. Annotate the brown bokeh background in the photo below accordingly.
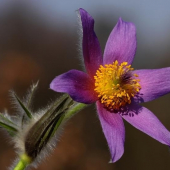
(32, 49)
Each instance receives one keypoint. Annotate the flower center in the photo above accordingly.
(116, 85)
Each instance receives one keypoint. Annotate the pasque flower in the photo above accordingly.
(117, 89)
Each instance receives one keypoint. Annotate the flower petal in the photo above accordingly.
(91, 47)
(121, 44)
(154, 83)
(144, 120)
(113, 128)
(77, 84)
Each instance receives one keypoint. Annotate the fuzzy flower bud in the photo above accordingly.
(34, 133)
(44, 129)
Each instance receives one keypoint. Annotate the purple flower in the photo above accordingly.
(114, 86)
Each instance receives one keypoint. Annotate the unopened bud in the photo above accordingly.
(44, 129)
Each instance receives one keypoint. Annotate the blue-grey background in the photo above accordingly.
(39, 40)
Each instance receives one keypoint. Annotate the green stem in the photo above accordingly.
(72, 111)
(23, 162)
(76, 108)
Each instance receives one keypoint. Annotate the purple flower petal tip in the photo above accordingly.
(114, 131)
(91, 48)
(144, 120)
(81, 10)
(121, 44)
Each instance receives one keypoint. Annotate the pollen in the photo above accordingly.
(116, 85)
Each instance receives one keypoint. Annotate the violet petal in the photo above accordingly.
(154, 83)
(91, 48)
(114, 131)
(77, 84)
(121, 44)
(144, 120)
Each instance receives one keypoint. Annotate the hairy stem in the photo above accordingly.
(23, 162)
(74, 109)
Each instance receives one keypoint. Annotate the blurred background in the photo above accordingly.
(39, 40)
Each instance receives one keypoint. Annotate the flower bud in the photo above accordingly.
(44, 129)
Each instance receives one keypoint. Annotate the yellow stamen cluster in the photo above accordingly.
(116, 85)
